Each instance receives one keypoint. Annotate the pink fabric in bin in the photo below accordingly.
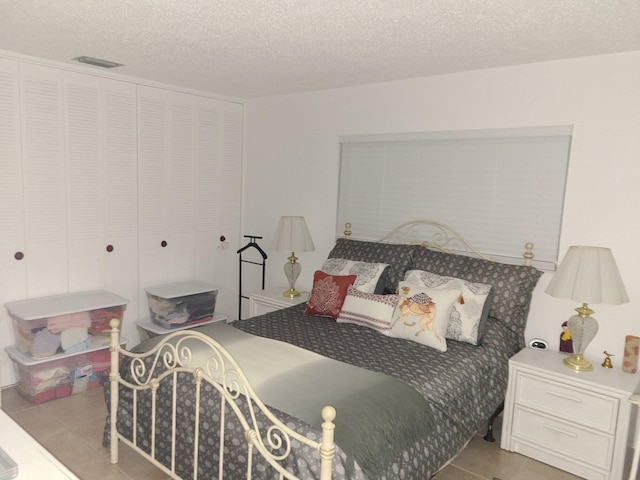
(71, 320)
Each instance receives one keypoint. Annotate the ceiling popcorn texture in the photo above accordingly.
(252, 48)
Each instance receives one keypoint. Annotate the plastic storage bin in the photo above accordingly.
(67, 323)
(41, 380)
(181, 303)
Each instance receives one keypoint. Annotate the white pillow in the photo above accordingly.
(368, 309)
(469, 314)
(368, 273)
(422, 314)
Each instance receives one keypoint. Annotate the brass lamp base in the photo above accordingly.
(583, 328)
(577, 362)
(291, 293)
(292, 271)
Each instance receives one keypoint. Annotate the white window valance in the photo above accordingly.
(499, 188)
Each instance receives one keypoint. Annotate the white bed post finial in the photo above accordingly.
(347, 230)
(113, 384)
(528, 254)
(327, 447)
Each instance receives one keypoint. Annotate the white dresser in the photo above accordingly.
(34, 462)
(575, 421)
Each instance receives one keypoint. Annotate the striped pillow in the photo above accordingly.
(368, 309)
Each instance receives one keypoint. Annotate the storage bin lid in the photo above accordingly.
(180, 289)
(42, 307)
(29, 361)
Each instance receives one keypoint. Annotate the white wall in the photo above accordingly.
(292, 155)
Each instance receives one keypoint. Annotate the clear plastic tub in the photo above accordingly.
(174, 305)
(43, 380)
(67, 323)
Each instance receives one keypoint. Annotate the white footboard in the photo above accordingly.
(174, 355)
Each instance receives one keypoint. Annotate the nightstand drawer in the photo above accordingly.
(573, 441)
(580, 406)
(576, 421)
(272, 299)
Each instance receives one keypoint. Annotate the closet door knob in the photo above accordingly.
(18, 256)
(163, 243)
(109, 248)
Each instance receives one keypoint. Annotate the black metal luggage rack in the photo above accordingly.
(252, 244)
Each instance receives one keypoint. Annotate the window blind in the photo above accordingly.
(499, 188)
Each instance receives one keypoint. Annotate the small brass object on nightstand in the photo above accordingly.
(607, 361)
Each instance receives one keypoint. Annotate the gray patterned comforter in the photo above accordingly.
(464, 386)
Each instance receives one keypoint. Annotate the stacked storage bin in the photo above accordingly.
(62, 342)
(179, 304)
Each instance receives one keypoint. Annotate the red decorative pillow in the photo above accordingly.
(328, 294)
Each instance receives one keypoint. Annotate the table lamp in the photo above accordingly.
(586, 275)
(292, 235)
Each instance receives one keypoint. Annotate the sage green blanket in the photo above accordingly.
(378, 417)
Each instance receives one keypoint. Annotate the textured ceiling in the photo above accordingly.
(250, 48)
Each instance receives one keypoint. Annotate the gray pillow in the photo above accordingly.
(512, 285)
(399, 258)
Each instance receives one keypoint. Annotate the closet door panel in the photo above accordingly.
(152, 202)
(228, 205)
(166, 176)
(85, 191)
(33, 250)
(180, 188)
(13, 271)
(208, 171)
(190, 151)
(45, 185)
(120, 245)
(152, 162)
(100, 121)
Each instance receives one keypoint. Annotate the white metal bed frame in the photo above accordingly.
(438, 236)
(172, 355)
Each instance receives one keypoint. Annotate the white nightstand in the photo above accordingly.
(271, 299)
(575, 421)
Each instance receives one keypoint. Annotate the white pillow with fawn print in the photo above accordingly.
(469, 315)
(422, 314)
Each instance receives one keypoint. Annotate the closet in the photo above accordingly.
(189, 167)
(106, 183)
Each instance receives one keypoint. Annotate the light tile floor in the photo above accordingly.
(71, 429)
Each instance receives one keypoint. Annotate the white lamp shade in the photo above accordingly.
(292, 235)
(588, 275)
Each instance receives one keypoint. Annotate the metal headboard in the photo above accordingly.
(438, 236)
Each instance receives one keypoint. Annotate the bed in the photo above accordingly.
(317, 391)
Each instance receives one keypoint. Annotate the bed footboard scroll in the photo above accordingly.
(267, 439)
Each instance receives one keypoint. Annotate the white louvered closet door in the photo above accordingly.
(165, 189)
(34, 237)
(189, 177)
(95, 174)
(218, 197)
(228, 191)
(13, 267)
(44, 180)
(101, 172)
